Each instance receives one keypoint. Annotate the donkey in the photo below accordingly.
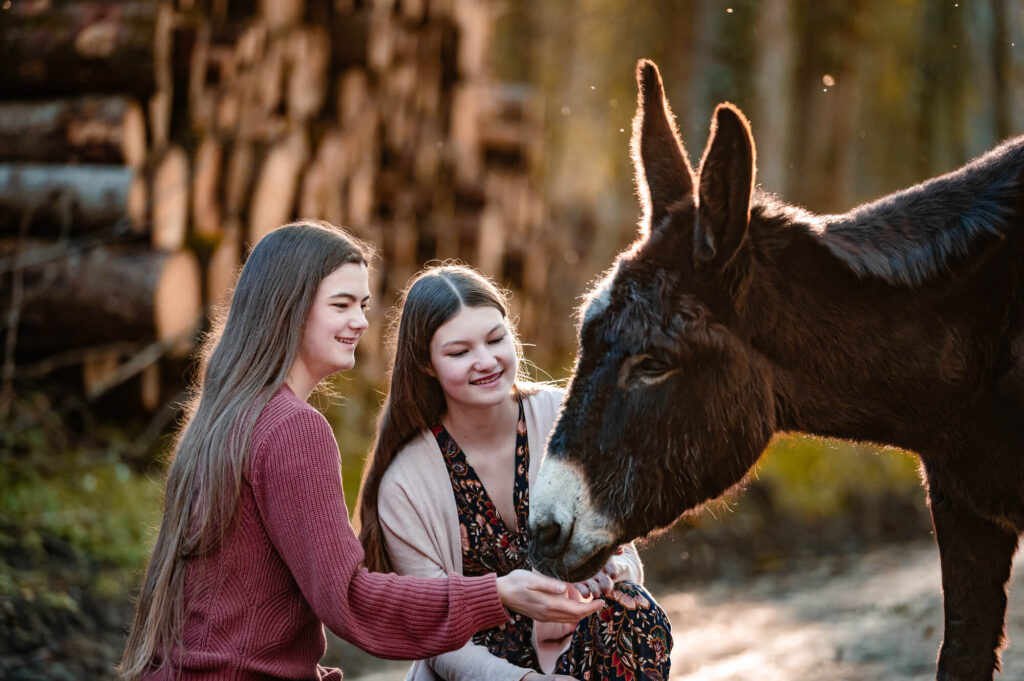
(735, 316)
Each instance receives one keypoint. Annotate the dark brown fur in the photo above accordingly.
(899, 322)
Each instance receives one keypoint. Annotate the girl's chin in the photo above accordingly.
(345, 363)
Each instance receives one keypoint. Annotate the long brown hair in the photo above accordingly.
(243, 362)
(415, 400)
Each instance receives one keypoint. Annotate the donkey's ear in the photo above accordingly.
(726, 185)
(663, 173)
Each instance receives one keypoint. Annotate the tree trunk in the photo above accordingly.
(56, 199)
(774, 87)
(161, 103)
(66, 47)
(85, 130)
(1002, 72)
(106, 295)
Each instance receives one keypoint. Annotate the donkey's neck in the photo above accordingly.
(909, 237)
(851, 353)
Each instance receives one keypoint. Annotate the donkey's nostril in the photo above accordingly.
(550, 540)
(549, 533)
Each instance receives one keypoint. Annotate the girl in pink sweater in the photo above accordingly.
(255, 552)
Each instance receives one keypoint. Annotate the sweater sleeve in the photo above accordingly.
(406, 538)
(296, 480)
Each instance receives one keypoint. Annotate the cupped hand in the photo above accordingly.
(542, 598)
(604, 581)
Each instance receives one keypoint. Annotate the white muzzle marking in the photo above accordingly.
(559, 496)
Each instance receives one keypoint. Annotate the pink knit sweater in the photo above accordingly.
(255, 609)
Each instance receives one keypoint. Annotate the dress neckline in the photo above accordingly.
(455, 457)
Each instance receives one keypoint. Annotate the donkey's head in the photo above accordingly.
(668, 406)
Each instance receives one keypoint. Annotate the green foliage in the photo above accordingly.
(816, 477)
(352, 412)
(68, 501)
(102, 510)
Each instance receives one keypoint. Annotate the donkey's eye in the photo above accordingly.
(644, 370)
(651, 366)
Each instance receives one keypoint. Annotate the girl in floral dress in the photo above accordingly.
(446, 489)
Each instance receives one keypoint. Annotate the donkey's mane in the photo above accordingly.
(909, 236)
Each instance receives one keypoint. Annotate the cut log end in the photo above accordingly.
(170, 200)
(224, 264)
(276, 188)
(178, 301)
(133, 144)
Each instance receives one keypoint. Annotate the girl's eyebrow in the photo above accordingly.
(343, 294)
(459, 342)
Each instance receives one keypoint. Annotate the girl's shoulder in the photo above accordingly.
(415, 461)
(286, 411)
(543, 396)
(288, 425)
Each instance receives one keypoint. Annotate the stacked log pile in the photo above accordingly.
(145, 146)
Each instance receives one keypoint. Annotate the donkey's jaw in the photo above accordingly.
(569, 538)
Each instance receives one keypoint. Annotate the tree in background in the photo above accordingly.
(848, 100)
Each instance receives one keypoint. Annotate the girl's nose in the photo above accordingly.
(484, 360)
(359, 321)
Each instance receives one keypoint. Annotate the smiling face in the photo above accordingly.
(473, 357)
(335, 323)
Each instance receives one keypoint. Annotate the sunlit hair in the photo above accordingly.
(243, 362)
(415, 399)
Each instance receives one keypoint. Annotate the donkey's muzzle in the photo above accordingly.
(549, 540)
(548, 543)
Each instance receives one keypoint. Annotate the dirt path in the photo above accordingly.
(876, 617)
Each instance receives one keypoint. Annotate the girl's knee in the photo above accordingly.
(630, 596)
(634, 604)
(632, 608)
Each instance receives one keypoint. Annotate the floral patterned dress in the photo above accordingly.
(629, 639)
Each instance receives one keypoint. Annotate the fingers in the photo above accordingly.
(570, 612)
(590, 607)
(601, 583)
(545, 584)
(589, 587)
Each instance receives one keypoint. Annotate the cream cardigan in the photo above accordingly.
(420, 524)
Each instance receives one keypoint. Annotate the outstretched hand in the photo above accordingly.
(542, 598)
(604, 581)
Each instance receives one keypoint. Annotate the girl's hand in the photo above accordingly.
(534, 676)
(542, 598)
(604, 581)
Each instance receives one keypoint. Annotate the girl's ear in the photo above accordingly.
(428, 369)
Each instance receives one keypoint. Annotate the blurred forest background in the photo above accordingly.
(146, 144)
